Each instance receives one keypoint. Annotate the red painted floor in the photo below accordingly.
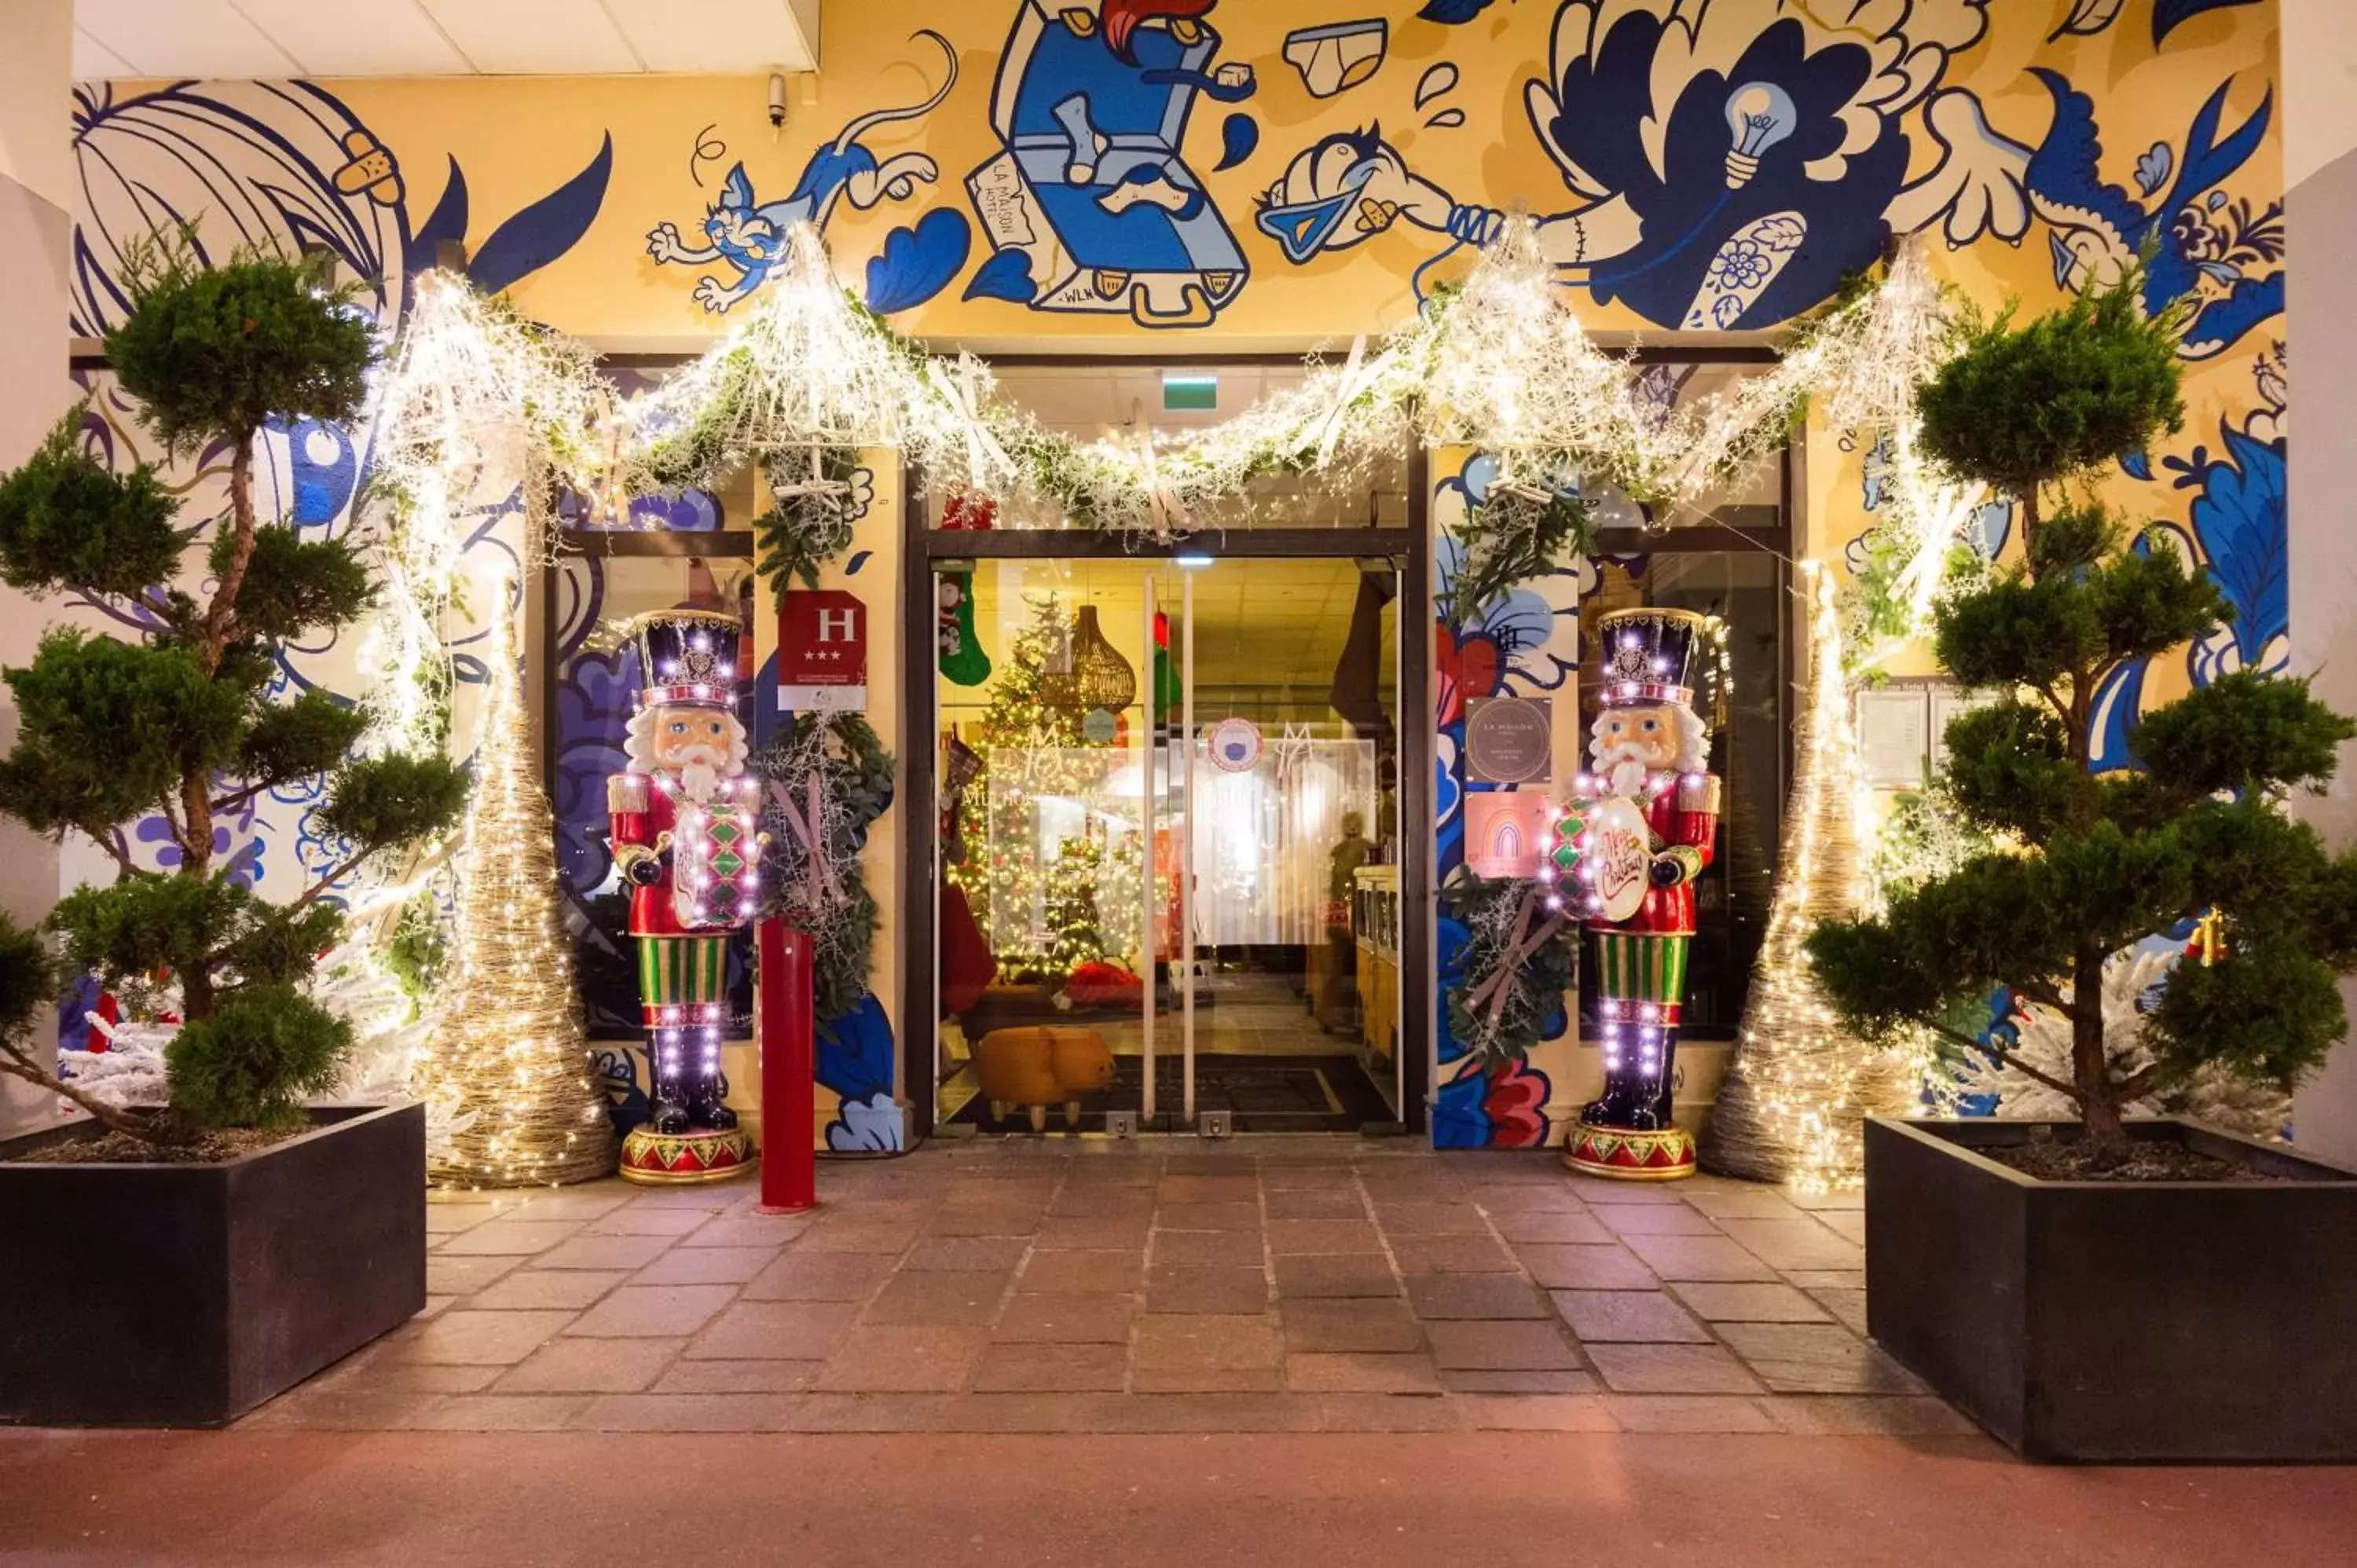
(258, 1497)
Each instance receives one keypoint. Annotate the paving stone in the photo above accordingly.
(749, 1231)
(710, 1198)
(1301, 1237)
(1598, 1192)
(1082, 1274)
(1232, 1341)
(774, 1330)
(1495, 1198)
(636, 1219)
(1178, 1188)
(590, 1367)
(938, 1299)
(345, 1410)
(1308, 1175)
(465, 1277)
(1102, 1203)
(1230, 1247)
(1744, 1202)
(1749, 1303)
(1825, 1279)
(544, 1289)
(522, 1236)
(866, 1411)
(1479, 1346)
(1315, 1203)
(1847, 1307)
(1795, 1244)
(967, 1254)
(1820, 1202)
(1026, 1413)
(1849, 1224)
(1208, 1216)
(1213, 1413)
(1688, 1412)
(1481, 1382)
(605, 1252)
(1698, 1258)
(1671, 1370)
(1849, 1415)
(1655, 1220)
(691, 1411)
(587, 1201)
(802, 1275)
(1067, 1320)
(1093, 1234)
(1539, 1412)
(1628, 1316)
(503, 1413)
(1368, 1325)
(707, 1266)
(1451, 1255)
(902, 1358)
(838, 1234)
(1215, 1288)
(1359, 1373)
(1430, 1219)
(1816, 1359)
(384, 1375)
(1387, 1412)
(1320, 1274)
(1051, 1368)
(638, 1312)
(737, 1377)
(1474, 1295)
(480, 1338)
(1583, 1267)
(450, 1219)
(1555, 1226)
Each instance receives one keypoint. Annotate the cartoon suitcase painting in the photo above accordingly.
(1090, 188)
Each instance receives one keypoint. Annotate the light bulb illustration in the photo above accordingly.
(1758, 116)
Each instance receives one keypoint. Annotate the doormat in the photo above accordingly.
(1261, 1094)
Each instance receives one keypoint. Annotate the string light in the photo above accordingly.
(507, 1059)
(1792, 1105)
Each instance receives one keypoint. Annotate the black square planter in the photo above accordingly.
(184, 1295)
(2118, 1320)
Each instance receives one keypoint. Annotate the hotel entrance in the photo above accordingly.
(1173, 794)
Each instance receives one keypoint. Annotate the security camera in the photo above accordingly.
(777, 100)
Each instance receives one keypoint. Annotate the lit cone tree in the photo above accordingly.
(1802, 1082)
(507, 1062)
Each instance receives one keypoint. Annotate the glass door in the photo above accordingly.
(1171, 836)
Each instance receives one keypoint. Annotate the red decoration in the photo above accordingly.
(970, 513)
(822, 651)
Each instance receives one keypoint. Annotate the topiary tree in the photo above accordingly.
(181, 724)
(2104, 860)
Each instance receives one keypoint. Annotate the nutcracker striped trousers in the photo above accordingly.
(1635, 968)
(679, 970)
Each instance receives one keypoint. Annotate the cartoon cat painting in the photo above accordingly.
(752, 236)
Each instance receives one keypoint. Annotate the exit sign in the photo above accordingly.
(1189, 394)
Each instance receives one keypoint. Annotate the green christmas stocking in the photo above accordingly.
(963, 660)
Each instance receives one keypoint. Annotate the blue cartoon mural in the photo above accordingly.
(1091, 188)
(750, 237)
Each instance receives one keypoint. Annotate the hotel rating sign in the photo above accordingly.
(822, 652)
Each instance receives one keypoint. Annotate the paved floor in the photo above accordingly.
(261, 1498)
(1258, 1285)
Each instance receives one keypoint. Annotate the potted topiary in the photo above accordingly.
(2121, 1286)
(221, 1247)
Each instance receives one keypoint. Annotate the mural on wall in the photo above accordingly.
(1119, 167)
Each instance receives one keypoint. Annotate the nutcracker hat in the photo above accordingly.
(1643, 655)
(688, 657)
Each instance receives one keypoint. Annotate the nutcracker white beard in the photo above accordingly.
(1623, 759)
(700, 765)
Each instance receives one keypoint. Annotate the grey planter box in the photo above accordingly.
(2118, 1320)
(184, 1295)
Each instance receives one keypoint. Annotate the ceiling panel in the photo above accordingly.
(181, 37)
(398, 39)
(715, 35)
(547, 38)
(93, 61)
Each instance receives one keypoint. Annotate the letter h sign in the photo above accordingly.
(822, 652)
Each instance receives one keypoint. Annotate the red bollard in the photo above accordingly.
(789, 1072)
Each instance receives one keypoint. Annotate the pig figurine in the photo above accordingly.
(1039, 1067)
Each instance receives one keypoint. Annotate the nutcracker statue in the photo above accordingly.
(685, 818)
(1639, 831)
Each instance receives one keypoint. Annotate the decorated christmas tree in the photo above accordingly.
(507, 1063)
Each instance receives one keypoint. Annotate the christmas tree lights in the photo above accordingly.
(508, 1063)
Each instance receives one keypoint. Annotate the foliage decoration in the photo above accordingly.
(1518, 960)
(181, 724)
(825, 778)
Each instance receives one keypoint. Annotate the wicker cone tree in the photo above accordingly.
(1799, 1087)
(508, 1057)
